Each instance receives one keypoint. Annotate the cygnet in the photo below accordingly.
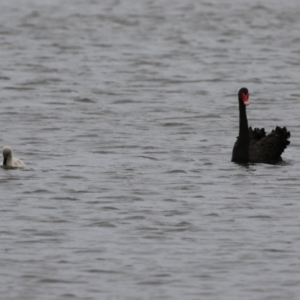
(9, 160)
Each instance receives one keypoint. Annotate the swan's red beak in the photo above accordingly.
(246, 99)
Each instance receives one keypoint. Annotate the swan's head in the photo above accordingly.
(7, 154)
(244, 96)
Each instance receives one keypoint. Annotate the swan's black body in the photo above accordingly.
(254, 145)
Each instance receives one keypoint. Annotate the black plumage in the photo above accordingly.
(254, 145)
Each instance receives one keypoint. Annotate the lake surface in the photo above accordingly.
(125, 113)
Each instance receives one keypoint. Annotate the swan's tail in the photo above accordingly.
(284, 135)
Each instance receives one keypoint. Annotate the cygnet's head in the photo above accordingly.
(7, 154)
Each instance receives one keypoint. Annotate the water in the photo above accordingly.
(126, 114)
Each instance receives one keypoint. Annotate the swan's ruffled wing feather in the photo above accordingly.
(268, 149)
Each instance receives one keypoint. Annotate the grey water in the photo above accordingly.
(125, 113)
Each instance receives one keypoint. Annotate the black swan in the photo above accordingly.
(254, 145)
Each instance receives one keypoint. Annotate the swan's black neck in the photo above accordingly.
(241, 148)
(244, 131)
